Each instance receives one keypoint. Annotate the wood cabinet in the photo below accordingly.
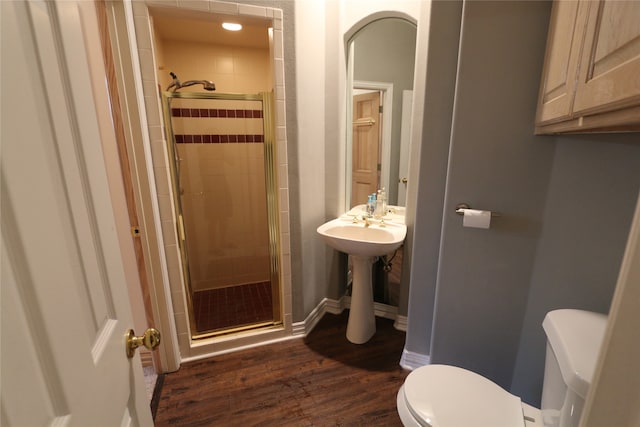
(591, 76)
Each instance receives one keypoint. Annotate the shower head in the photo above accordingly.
(206, 84)
(175, 84)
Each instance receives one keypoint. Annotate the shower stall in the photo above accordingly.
(222, 159)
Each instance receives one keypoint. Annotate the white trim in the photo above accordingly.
(239, 348)
(411, 360)
(336, 306)
(303, 328)
(332, 306)
(401, 323)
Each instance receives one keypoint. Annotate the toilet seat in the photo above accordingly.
(448, 396)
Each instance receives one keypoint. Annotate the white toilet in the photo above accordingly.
(447, 396)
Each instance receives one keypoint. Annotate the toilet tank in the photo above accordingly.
(574, 338)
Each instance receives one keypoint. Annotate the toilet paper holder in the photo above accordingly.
(461, 207)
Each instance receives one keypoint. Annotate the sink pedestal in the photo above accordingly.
(362, 320)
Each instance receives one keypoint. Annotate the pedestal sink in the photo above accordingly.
(365, 240)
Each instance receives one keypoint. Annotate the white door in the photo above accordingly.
(65, 308)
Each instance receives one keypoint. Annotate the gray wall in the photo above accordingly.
(592, 194)
(385, 52)
(558, 243)
(496, 163)
(440, 36)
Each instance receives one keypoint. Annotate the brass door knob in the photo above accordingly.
(150, 339)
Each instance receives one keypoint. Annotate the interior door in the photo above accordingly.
(366, 146)
(65, 308)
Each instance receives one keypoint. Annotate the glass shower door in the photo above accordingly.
(223, 169)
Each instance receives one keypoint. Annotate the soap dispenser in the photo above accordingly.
(379, 210)
(371, 204)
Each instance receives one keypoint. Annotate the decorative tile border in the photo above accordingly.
(216, 112)
(217, 139)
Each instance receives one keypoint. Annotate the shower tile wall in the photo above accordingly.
(232, 69)
(226, 252)
(223, 191)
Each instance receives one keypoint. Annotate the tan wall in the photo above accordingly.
(232, 69)
(223, 184)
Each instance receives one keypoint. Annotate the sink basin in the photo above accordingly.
(364, 244)
(355, 239)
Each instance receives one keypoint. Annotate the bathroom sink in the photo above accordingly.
(377, 239)
(365, 240)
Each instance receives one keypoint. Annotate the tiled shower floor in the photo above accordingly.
(216, 309)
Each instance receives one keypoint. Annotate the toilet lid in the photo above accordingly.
(447, 396)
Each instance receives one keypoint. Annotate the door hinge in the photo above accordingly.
(380, 109)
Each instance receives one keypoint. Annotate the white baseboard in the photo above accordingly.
(411, 360)
(303, 328)
(328, 305)
(401, 323)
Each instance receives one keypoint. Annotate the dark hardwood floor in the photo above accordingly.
(322, 380)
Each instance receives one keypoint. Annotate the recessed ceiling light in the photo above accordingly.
(231, 26)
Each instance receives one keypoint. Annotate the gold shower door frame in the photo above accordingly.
(266, 98)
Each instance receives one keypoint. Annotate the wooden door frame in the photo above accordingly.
(138, 177)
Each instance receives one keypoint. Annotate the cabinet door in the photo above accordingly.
(566, 29)
(609, 72)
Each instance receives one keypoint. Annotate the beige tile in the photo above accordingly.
(283, 199)
(178, 302)
(153, 110)
(286, 304)
(278, 50)
(184, 344)
(223, 7)
(165, 3)
(284, 222)
(162, 181)
(224, 65)
(245, 9)
(147, 64)
(281, 158)
(283, 179)
(281, 116)
(169, 233)
(181, 323)
(278, 65)
(165, 208)
(157, 149)
(143, 34)
(285, 243)
(202, 5)
(140, 8)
